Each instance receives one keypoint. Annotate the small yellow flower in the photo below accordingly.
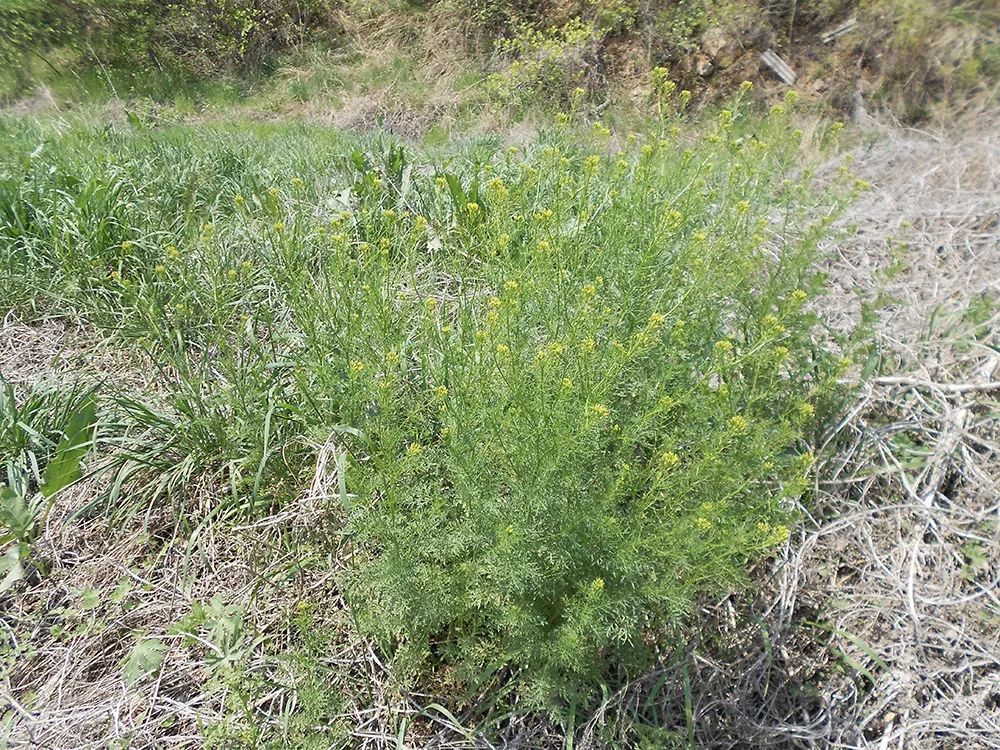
(779, 535)
(279, 227)
(567, 384)
(298, 183)
(356, 367)
(806, 410)
(160, 269)
(600, 410)
(669, 460)
(510, 285)
(601, 131)
(389, 213)
(588, 345)
(246, 265)
(391, 358)
(441, 182)
(702, 523)
(172, 252)
(127, 245)
(780, 354)
(592, 162)
(739, 423)
(544, 245)
(441, 391)
(724, 346)
(431, 304)
(240, 201)
(544, 215)
(273, 192)
(414, 449)
(799, 296)
(495, 302)
(231, 274)
(589, 291)
(503, 350)
(745, 86)
(598, 584)
(743, 206)
(208, 228)
(657, 320)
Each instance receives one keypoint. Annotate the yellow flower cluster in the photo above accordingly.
(773, 535)
(669, 460)
(739, 423)
(600, 410)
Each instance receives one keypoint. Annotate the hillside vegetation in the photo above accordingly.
(479, 375)
(461, 63)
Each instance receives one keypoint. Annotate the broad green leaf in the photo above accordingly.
(144, 659)
(64, 468)
(11, 569)
(90, 599)
(16, 514)
(458, 195)
(123, 590)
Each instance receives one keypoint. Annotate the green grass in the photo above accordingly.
(564, 390)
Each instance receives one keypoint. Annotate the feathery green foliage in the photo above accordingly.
(568, 390)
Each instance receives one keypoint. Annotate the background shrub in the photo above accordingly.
(180, 37)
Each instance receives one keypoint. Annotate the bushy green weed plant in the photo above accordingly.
(569, 388)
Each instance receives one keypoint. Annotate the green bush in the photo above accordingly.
(545, 65)
(177, 37)
(558, 394)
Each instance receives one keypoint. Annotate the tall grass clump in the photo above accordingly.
(569, 389)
